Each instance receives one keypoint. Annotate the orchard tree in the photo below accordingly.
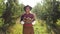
(49, 12)
(11, 13)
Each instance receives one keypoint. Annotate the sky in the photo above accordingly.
(32, 3)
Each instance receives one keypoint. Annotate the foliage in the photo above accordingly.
(2, 8)
(48, 17)
(9, 12)
(48, 12)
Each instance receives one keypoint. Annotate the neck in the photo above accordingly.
(27, 13)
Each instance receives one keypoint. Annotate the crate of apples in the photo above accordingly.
(27, 20)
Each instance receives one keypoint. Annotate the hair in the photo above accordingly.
(26, 7)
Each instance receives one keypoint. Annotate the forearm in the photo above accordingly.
(33, 23)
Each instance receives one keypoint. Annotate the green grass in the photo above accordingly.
(39, 28)
(16, 29)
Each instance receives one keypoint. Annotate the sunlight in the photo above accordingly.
(32, 3)
(5, 1)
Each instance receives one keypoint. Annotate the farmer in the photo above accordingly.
(28, 20)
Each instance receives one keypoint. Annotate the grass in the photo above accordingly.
(39, 28)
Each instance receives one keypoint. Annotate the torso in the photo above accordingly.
(26, 16)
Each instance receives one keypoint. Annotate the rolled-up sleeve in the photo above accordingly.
(21, 20)
(34, 21)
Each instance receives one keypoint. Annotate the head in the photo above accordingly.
(27, 9)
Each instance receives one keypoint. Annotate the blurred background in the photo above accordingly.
(47, 16)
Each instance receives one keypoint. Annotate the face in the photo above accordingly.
(27, 10)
